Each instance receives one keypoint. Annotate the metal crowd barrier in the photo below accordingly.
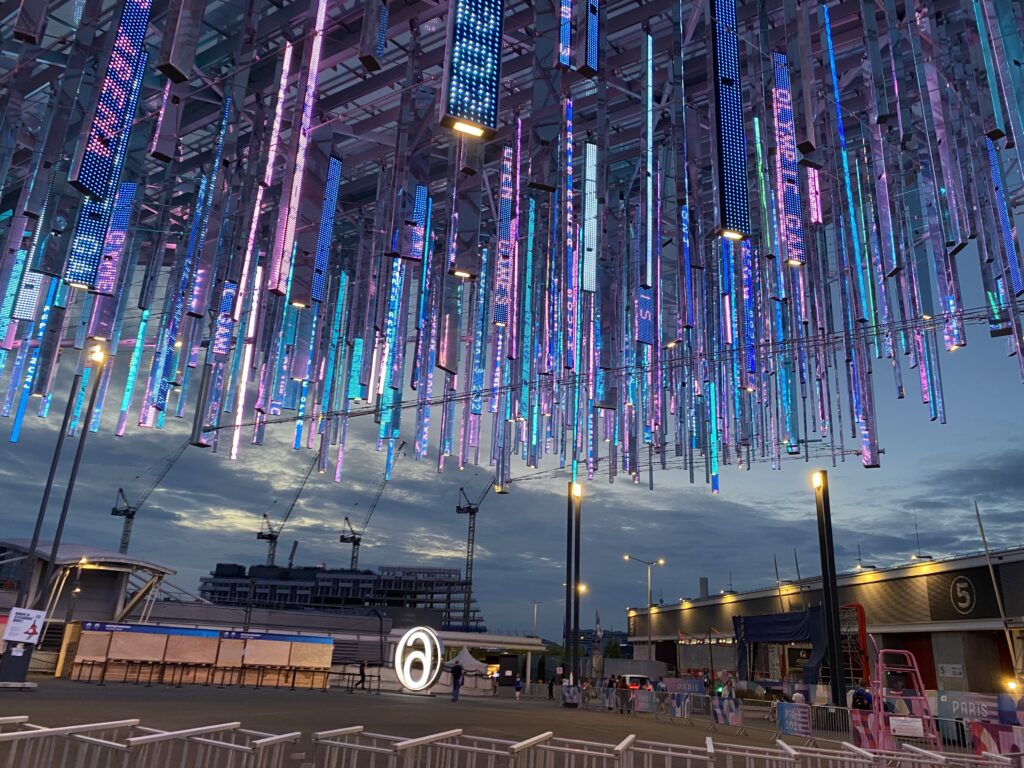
(354, 748)
(126, 744)
(737, 756)
(657, 754)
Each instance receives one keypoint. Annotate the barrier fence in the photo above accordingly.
(127, 744)
(776, 718)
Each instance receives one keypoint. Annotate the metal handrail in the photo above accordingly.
(185, 734)
(67, 730)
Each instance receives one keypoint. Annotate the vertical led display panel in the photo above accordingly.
(326, 234)
(588, 36)
(284, 240)
(589, 271)
(1005, 220)
(472, 73)
(730, 141)
(113, 244)
(374, 34)
(787, 180)
(503, 267)
(93, 170)
(225, 325)
(91, 229)
(564, 32)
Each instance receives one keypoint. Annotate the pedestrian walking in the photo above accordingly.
(494, 684)
(519, 687)
(362, 676)
(456, 680)
(551, 688)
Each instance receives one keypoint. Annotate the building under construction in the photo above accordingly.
(270, 586)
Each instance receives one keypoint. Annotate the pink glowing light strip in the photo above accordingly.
(268, 177)
(278, 278)
(814, 186)
(243, 374)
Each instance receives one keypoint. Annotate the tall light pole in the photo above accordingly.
(829, 587)
(98, 358)
(577, 497)
(650, 600)
(574, 499)
(535, 604)
(24, 599)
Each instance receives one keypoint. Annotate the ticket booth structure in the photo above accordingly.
(147, 654)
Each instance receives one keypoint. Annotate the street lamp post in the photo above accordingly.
(650, 599)
(99, 359)
(830, 590)
(13, 669)
(577, 497)
(572, 576)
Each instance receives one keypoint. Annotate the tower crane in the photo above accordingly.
(126, 509)
(269, 533)
(355, 537)
(470, 508)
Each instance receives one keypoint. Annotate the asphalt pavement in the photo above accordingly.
(59, 702)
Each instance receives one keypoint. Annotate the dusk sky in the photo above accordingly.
(208, 508)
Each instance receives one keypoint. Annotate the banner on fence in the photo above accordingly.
(794, 719)
(863, 723)
(961, 705)
(684, 685)
(993, 737)
(726, 711)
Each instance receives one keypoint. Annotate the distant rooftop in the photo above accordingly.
(71, 553)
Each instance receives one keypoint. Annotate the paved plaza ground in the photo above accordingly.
(58, 702)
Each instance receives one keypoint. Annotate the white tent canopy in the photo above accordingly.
(470, 665)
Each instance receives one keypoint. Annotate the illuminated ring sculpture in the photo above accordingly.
(419, 646)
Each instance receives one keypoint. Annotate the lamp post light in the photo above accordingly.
(650, 601)
(14, 669)
(830, 589)
(98, 358)
(574, 503)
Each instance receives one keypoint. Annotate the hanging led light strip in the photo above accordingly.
(787, 179)
(472, 67)
(95, 168)
(325, 234)
(279, 270)
(730, 142)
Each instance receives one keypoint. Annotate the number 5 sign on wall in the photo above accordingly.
(419, 657)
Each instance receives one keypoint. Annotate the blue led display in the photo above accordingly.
(96, 168)
(225, 325)
(113, 245)
(473, 66)
(1005, 225)
(91, 229)
(382, 31)
(564, 32)
(326, 234)
(589, 272)
(792, 224)
(503, 267)
(734, 211)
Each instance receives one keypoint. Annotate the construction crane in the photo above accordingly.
(354, 537)
(269, 533)
(127, 510)
(470, 508)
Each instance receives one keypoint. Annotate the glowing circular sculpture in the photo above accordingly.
(419, 658)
